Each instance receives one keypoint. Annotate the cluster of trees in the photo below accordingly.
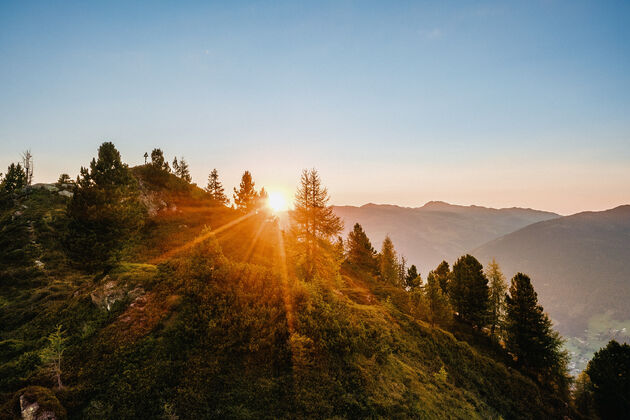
(474, 296)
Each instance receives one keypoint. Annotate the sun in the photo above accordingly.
(277, 201)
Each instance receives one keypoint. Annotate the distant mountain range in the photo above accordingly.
(437, 231)
(580, 264)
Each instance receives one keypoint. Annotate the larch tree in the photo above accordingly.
(52, 355)
(469, 291)
(215, 188)
(361, 253)
(529, 336)
(388, 262)
(313, 224)
(245, 197)
(498, 287)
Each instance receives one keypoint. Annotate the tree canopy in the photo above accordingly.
(469, 291)
(361, 253)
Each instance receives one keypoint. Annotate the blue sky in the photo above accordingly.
(492, 103)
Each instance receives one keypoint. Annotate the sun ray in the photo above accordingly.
(168, 254)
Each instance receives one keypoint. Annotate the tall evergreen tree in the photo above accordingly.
(14, 180)
(412, 278)
(469, 292)
(438, 309)
(158, 161)
(104, 211)
(609, 372)
(246, 197)
(176, 166)
(498, 287)
(313, 223)
(182, 170)
(388, 262)
(529, 336)
(215, 188)
(443, 274)
(361, 253)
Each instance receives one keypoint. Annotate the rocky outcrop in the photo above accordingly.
(111, 292)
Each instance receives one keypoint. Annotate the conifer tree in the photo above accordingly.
(14, 180)
(104, 211)
(215, 188)
(182, 171)
(52, 355)
(361, 253)
(529, 336)
(469, 292)
(498, 287)
(158, 161)
(609, 372)
(313, 223)
(438, 309)
(412, 278)
(443, 274)
(246, 197)
(388, 262)
(175, 166)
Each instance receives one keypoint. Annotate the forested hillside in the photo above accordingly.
(141, 295)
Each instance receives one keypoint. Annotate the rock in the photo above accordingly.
(39, 403)
(65, 193)
(105, 296)
(39, 264)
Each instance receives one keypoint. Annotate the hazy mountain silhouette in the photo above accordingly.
(437, 231)
(579, 264)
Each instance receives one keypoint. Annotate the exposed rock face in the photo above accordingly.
(65, 193)
(111, 292)
(31, 411)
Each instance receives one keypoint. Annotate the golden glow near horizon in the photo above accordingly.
(278, 201)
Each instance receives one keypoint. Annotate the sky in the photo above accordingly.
(495, 103)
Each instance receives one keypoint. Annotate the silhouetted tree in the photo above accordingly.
(14, 180)
(609, 373)
(215, 188)
(361, 253)
(388, 262)
(469, 293)
(64, 179)
(246, 197)
(412, 278)
(313, 223)
(158, 161)
(498, 287)
(529, 336)
(182, 170)
(104, 211)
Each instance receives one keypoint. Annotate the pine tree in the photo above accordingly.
(104, 211)
(412, 278)
(469, 292)
(498, 287)
(175, 166)
(182, 171)
(313, 223)
(529, 336)
(388, 262)
(158, 161)
(609, 372)
(14, 180)
(402, 270)
(215, 188)
(443, 274)
(246, 197)
(438, 309)
(361, 253)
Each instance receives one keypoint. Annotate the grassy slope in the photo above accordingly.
(206, 333)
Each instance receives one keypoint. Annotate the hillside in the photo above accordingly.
(437, 231)
(202, 318)
(580, 266)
